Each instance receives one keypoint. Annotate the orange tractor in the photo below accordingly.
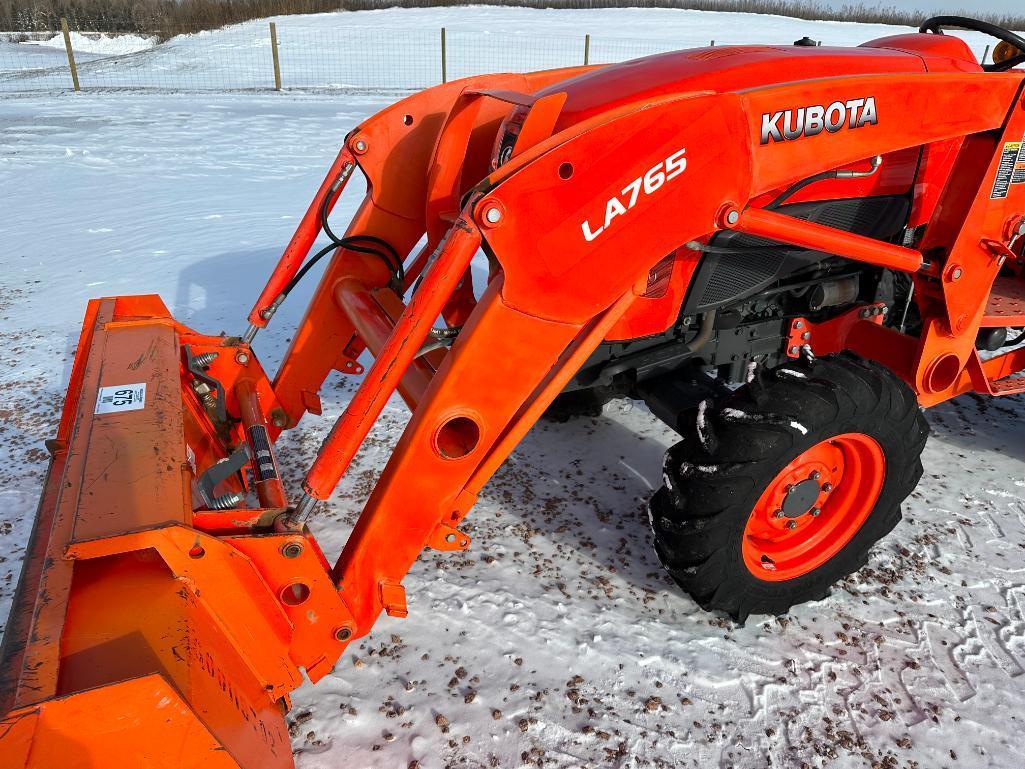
(784, 251)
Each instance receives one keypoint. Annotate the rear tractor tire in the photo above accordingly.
(781, 490)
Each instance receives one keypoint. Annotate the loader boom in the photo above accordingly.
(173, 593)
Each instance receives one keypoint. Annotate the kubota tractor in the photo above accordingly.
(784, 251)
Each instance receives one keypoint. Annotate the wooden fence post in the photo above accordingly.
(274, 53)
(71, 53)
(444, 69)
(587, 50)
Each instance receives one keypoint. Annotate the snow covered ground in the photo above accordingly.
(556, 640)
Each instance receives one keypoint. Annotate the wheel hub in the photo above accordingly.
(800, 498)
(813, 507)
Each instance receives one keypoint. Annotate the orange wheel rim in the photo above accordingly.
(814, 507)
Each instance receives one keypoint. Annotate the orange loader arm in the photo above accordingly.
(174, 596)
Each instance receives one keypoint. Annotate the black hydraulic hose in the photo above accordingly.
(792, 190)
(707, 248)
(704, 333)
(363, 244)
(388, 255)
(305, 268)
(782, 198)
(351, 244)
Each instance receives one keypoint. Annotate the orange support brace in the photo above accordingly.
(451, 260)
(797, 232)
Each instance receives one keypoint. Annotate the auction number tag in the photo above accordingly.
(130, 397)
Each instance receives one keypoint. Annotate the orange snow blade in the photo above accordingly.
(136, 638)
(143, 718)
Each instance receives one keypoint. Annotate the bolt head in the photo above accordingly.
(493, 215)
(956, 274)
(806, 335)
(815, 512)
(778, 514)
(242, 358)
(815, 475)
(732, 216)
(791, 525)
(343, 634)
(827, 487)
(291, 550)
(794, 350)
(884, 310)
(798, 324)
(279, 422)
(360, 146)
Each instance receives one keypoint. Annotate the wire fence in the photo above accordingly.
(241, 57)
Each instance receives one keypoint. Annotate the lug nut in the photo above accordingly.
(291, 550)
(827, 487)
(815, 512)
(816, 475)
(778, 514)
(791, 525)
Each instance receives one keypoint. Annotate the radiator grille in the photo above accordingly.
(740, 272)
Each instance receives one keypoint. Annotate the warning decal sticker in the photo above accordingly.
(130, 397)
(1006, 170)
(1018, 175)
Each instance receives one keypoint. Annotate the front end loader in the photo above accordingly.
(784, 251)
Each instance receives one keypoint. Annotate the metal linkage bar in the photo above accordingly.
(374, 325)
(440, 280)
(786, 229)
